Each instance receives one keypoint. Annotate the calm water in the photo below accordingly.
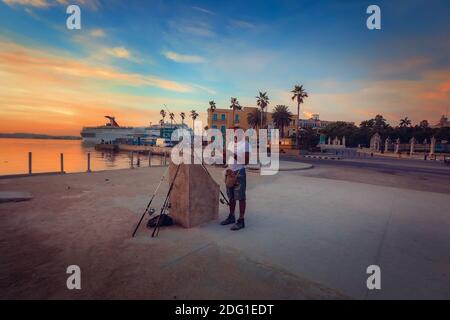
(46, 156)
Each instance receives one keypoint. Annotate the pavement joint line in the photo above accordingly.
(383, 237)
(178, 259)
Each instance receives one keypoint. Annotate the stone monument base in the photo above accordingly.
(195, 196)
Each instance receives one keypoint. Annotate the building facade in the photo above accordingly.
(222, 119)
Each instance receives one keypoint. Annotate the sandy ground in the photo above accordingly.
(306, 238)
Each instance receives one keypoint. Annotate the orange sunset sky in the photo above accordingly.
(129, 60)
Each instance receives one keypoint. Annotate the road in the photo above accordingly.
(405, 173)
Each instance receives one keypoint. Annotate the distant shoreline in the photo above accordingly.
(36, 136)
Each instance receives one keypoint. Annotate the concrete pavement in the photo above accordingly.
(306, 238)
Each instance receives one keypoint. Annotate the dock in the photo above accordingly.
(144, 149)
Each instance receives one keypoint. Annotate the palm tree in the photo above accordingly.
(299, 95)
(235, 106)
(405, 122)
(194, 116)
(171, 116)
(182, 115)
(253, 118)
(281, 117)
(424, 124)
(212, 105)
(262, 101)
(163, 115)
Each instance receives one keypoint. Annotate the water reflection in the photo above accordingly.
(46, 156)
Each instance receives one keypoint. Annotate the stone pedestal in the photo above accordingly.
(195, 196)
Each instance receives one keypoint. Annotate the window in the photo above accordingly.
(223, 117)
(236, 118)
(223, 129)
(214, 127)
(215, 117)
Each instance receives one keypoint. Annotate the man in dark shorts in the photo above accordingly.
(237, 192)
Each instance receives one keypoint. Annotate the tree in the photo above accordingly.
(299, 95)
(309, 137)
(424, 124)
(182, 115)
(234, 106)
(262, 101)
(353, 135)
(212, 106)
(194, 115)
(163, 115)
(171, 116)
(281, 117)
(254, 118)
(405, 122)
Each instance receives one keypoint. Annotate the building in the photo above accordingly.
(222, 119)
(315, 123)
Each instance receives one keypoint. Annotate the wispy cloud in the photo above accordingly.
(119, 52)
(183, 58)
(241, 24)
(17, 60)
(32, 3)
(76, 93)
(196, 28)
(91, 4)
(203, 10)
(97, 33)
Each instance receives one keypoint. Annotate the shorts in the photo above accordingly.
(238, 192)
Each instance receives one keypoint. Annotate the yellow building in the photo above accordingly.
(223, 119)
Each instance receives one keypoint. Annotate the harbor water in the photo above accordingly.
(46, 157)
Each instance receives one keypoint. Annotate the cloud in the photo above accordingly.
(52, 93)
(196, 28)
(16, 60)
(203, 10)
(98, 33)
(183, 58)
(90, 4)
(419, 99)
(119, 52)
(32, 3)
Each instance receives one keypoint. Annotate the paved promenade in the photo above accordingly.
(306, 238)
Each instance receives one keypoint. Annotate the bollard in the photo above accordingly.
(62, 163)
(164, 157)
(132, 156)
(149, 158)
(30, 160)
(89, 162)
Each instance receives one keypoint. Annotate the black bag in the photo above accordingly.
(164, 221)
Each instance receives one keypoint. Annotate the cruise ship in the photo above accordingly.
(112, 131)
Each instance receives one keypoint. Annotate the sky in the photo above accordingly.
(131, 57)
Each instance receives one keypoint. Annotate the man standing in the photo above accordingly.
(241, 149)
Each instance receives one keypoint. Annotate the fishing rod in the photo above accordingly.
(224, 199)
(165, 204)
(150, 202)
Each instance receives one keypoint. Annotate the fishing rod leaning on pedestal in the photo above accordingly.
(150, 202)
(165, 204)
